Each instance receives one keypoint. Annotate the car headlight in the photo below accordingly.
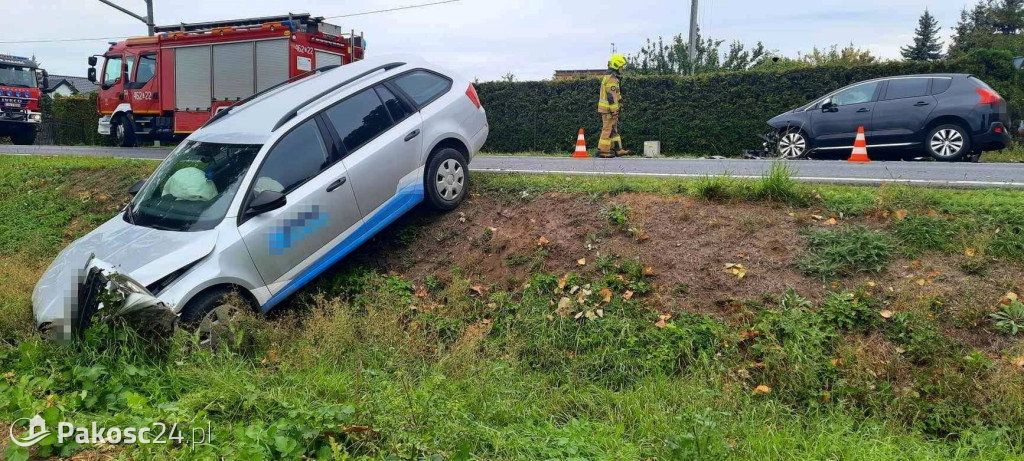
(36, 117)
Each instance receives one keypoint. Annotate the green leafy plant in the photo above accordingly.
(618, 214)
(1010, 318)
(845, 251)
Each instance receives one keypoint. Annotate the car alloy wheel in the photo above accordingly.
(450, 179)
(947, 142)
(792, 145)
(216, 325)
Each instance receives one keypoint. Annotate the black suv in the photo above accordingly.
(950, 116)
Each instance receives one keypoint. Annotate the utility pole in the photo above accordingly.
(147, 19)
(693, 35)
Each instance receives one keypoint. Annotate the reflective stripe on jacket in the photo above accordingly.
(610, 96)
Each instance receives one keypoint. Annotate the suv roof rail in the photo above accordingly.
(294, 111)
(221, 113)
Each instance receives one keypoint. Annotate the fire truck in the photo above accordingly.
(21, 81)
(169, 85)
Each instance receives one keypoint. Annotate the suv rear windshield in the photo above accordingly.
(192, 190)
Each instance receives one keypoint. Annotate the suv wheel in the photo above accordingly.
(447, 179)
(948, 142)
(792, 144)
(124, 131)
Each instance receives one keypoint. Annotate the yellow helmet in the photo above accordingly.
(616, 62)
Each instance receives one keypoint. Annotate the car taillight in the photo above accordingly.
(988, 96)
(471, 92)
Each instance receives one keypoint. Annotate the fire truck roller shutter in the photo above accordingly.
(271, 63)
(324, 59)
(192, 78)
(233, 72)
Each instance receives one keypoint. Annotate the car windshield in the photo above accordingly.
(193, 188)
(17, 76)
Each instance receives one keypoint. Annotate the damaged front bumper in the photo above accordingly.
(104, 295)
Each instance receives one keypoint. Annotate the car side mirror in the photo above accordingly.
(829, 106)
(266, 201)
(134, 189)
(92, 74)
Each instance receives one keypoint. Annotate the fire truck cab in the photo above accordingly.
(169, 85)
(21, 81)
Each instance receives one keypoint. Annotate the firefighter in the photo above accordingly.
(609, 106)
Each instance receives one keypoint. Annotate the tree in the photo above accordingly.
(849, 55)
(995, 24)
(926, 46)
(660, 58)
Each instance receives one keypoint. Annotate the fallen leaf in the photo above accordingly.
(600, 313)
(578, 315)
(831, 222)
(606, 295)
(900, 214)
(478, 289)
(1008, 299)
(761, 389)
(736, 269)
(837, 362)
(420, 291)
(1018, 361)
(582, 261)
(561, 281)
(759, 364)
(933, 213)
(542, 241)
(563, 307)
(627, 295)
(872, 284)
(649, 271)
(969, 252)
(886, 314)
(643, 237)
(748, 334)
(920, 282)
(933, 273)
(817, 217)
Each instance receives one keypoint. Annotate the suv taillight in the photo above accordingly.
(988, 96)
(471, 92)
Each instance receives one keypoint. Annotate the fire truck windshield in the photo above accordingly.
(17, 76)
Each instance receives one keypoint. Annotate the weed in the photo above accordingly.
(778, 185)
(849, 311)
(713, 188)
(844, 251)
(919, 233)
(618, 214)
(516, 259)
(917, 335)
(1010, 317)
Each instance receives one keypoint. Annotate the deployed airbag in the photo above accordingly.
(190, 183)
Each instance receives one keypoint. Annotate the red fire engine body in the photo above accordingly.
(20, 80)
(171, 84)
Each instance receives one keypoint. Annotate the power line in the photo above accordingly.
(388, 10)
(364, 13)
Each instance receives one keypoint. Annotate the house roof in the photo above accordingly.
(80, 84)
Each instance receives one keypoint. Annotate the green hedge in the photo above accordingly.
(71, 120)
(714, 114)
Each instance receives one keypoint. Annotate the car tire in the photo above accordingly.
(447, 179)
(948, 143)
(205, 302)
(25, 137)
(792, 144)
(124, 132)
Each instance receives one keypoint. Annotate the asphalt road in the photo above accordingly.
(1005, 175)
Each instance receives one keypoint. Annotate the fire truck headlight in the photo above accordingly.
(36, 117)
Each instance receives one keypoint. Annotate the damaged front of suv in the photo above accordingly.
(170, 242)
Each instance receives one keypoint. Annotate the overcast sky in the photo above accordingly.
(488, 38)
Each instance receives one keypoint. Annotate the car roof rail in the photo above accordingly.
(295, 111)
(221, 113)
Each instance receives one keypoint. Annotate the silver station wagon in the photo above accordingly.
(273, 191)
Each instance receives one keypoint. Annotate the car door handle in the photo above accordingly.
(336, 184)
(922, 103)
(863, 109)
(414, 134)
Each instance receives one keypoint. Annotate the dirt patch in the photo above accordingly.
(687, 243)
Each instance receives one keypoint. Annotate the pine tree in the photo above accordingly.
(926, 46)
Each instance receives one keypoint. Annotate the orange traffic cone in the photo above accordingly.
(581, 147)
(860, 148)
